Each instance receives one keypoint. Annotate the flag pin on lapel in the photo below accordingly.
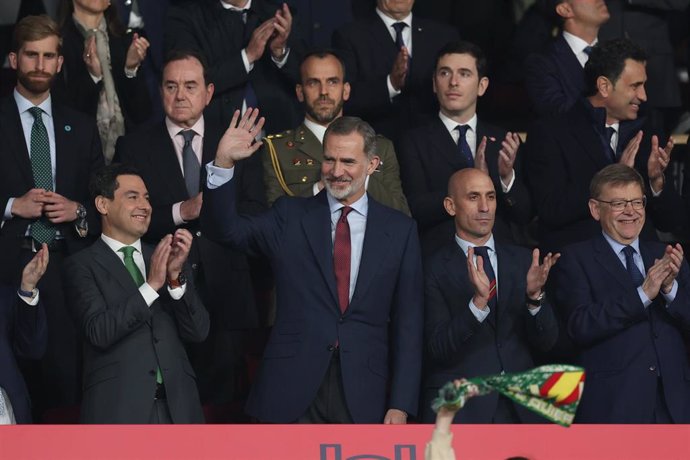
(68, 128)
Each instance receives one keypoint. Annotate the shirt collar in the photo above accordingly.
(465, 245)
(618, 247)
(23, 104)
(318, 130)
(450, 124)
(389, 21)
(577, 44)
(174, 130)
(361, 205)
(228, 6)
(116, 245)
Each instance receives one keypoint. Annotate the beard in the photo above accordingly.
(26, 79)
(322, 117)
(348, 188)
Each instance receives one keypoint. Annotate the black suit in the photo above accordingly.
(428, 156)
(221, 273)
(126, 340)
(78, 154)
(218, 34)
(369, 52)
(22, 334)
(459, 346)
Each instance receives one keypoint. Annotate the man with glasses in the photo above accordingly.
(626, 302)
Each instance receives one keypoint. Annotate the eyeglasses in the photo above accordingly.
(619, 205)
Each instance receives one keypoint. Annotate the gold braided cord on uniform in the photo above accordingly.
(276, 166)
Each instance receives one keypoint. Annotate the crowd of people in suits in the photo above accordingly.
(179, 179)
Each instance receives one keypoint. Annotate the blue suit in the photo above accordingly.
(296, 235)
(23, 334)
(624, 347)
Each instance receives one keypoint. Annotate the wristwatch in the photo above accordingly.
(177, 283)
(535, 302)
(81, 225)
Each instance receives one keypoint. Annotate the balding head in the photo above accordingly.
(471, 201)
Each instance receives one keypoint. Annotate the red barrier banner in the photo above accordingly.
(344, 442)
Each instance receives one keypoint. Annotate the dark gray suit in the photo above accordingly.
(125, 340)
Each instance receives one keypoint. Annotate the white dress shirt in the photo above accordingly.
(407, 40)
(578, 45)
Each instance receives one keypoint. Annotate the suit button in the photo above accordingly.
(331, 348)
(652, 368)
(198, 233)
(194, 266)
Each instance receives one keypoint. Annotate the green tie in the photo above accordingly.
(133, 270)
(42, 230)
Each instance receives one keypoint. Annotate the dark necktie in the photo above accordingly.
(341, 258)
(587, 50)
(41, 230)
(190, 164)
(399, 26)
(483, 252)
(610, 131)
(633, 271)
(250, 22)
(463, 147)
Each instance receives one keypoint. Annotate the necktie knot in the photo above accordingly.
(587, 50)
(398, 27)
(462, 129)
(482, 251)
(345, 210)
(610, 131)
(36, 112)
(128, 251)
(187, 135)
(130, 265)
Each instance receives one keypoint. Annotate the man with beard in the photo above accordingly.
(47, 154)
(292, 160)
(346, 346)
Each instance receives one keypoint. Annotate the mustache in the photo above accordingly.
(38, 73)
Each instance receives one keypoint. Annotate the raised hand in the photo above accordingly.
(34, 270)
(480, 282)
(658, 161)
(283, 26)
(507, 156)
(259, 39)
(180, 247)
(158, 265)
(401, 66)
(90, 56)
(538, 274)
(480, 157)
(238, 141)
(674, 256)
(628, 156)
(136, 53)
(191, 208)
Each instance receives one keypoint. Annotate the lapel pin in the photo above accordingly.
(310, 162)
(296, 162)
(290, 144)
(68, 128)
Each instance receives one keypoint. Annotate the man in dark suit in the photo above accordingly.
(47, 154)
(456, 139)
(555, 78)
(627, 305)
(171, 168)
(292, 159)
(135, 366)
(347, 340)
(485, 309)
(389, 57)
(253, 55)
(22, 333)
(565, 152)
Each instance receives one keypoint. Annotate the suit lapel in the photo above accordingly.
(604, 255)
(443, 143)
(165, 162)
(568, 62)
(585, 135)
(65, 141)
(316, 225)
(113, 266)
(14, 138)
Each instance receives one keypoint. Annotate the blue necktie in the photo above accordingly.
(399, 42)
(633, 271)
(610, 131)
(483, 252)
(463, 146)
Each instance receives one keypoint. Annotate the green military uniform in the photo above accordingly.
(299, 155)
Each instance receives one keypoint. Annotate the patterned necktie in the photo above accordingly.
(633, 271)
(41, 230)
(463, 147)
(483, 252)
(399, 26)
(341, 258)
(190, 164)
(610, 131)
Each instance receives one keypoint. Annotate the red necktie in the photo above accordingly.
(341, 258)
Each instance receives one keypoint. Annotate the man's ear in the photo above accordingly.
(604, 86)
(373, 164)
(594, 209)
(449, 204)
(102, 205)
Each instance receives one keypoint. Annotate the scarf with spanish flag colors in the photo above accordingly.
(553, 391)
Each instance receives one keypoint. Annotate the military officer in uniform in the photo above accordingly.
(292, 159)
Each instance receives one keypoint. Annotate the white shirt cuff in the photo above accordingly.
(534, 311)
(8, 209)
(177, 217)
(131, 73)
(392, 92)
(178, 292)
(148, 293)
(29, 300)
(95, 78)
(248, 66)
(215, 176)
(282, 62)
(643, 297)
(506, 188)
(478, 312)
(671, 296)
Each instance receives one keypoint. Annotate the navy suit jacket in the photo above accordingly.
(369, 52)
(22, 334)
(622, 345)
(379, 335)
(459, 346)
(554, 79)
(428, 156)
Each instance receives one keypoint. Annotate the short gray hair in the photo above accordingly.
(347, 125)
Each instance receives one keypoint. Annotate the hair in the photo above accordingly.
(347, 125)
(104, 181)
(34, 28)
(112, 18)
(465, 47)
(608, 60)
(182, 54)
(322, 53)
(615, 175)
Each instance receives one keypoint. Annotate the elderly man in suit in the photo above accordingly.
(46, 157)
(626, 304)
(389, 56)
(555, 77)
(485, 310)
(292, 160)
(134, 305)
(347, 341)
(169, 156)
(457, 139)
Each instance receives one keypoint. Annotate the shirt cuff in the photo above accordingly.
(282, 62)
(671, 296)
(177, 217)
(248, 66)
(654, 193)
(478, 312)
(178, 292)
(315, 189)
(32, 301)
(506, 188)
(95, 78)
(148, 293)
(216, 177)
(131, 73)
(392, 92)
(643, 297)
(8, 209)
